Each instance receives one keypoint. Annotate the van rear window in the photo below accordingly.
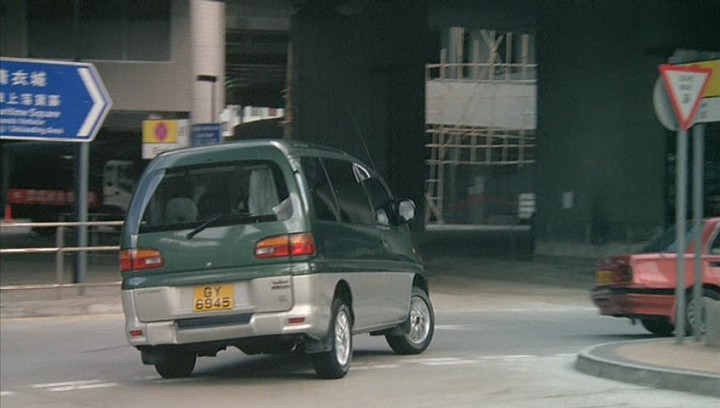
(217, 194)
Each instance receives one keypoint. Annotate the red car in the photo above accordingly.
(642, 286)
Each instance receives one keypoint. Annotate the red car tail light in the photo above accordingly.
(286, 246)
(140, 259)
(623, 274)
(614, 271)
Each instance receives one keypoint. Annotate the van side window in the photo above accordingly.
(353, 202)
(379, 198)
(321, 193)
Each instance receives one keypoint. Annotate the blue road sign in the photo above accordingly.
(205, 134)
(51, 100)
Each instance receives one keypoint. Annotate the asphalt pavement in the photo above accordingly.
(690, 366)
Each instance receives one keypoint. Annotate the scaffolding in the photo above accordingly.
(479, 113)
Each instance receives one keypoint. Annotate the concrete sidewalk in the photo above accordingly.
(690, 367)
(660, 363)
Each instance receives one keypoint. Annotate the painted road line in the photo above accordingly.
(374, 367)
(74, 385)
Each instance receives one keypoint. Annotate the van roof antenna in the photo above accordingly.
(362, 139)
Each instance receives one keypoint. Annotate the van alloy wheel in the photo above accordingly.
(335, 362)
(419, 327)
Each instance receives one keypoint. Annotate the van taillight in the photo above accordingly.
(140, 259)
(285, 246)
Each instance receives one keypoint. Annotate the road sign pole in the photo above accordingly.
(686, 87)
(680, 230)
(83, 158)
(698, 213)
(81, 206)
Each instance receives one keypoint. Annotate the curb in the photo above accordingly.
(590, 362)
(47, 309)
(102, 300)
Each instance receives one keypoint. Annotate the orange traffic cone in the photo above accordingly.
(8, 214)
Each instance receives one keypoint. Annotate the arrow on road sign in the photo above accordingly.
(51, 100)
(686, 87)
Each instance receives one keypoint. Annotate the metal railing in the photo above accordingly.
(60, 249)
(482, 72)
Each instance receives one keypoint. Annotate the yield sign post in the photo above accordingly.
(686, 87)
(51, 100)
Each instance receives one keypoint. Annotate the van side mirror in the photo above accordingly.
(405, 211)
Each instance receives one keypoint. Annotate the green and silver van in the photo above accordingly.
(269, 246)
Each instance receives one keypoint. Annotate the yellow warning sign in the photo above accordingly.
(160, 131)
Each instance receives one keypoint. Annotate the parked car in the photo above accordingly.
(271, 247)
(642, 285)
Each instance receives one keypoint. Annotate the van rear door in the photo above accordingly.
(208, 217)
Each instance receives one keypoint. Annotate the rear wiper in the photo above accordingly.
(214, 219)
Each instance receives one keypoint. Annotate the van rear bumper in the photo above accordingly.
(309, 315)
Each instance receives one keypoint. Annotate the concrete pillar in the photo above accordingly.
(324, 77)
(358, 84)
(456, 51)
(478, 53)
(207, 40)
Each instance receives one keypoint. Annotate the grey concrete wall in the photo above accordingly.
(171, 86)
(13, 29)
(152, 86)
(598, 137)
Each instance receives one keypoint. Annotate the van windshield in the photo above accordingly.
(216, 194)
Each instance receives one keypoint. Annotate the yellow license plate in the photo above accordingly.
(212, 298)
(604, 277)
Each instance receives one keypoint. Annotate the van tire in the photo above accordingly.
(419, 327)
(178, 364)
(335, 363)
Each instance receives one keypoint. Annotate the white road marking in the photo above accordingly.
(458, 327)
(375, 367)
(428, 362)
(544, 309)
(457, 361)
(74, 385)
(509, 357)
